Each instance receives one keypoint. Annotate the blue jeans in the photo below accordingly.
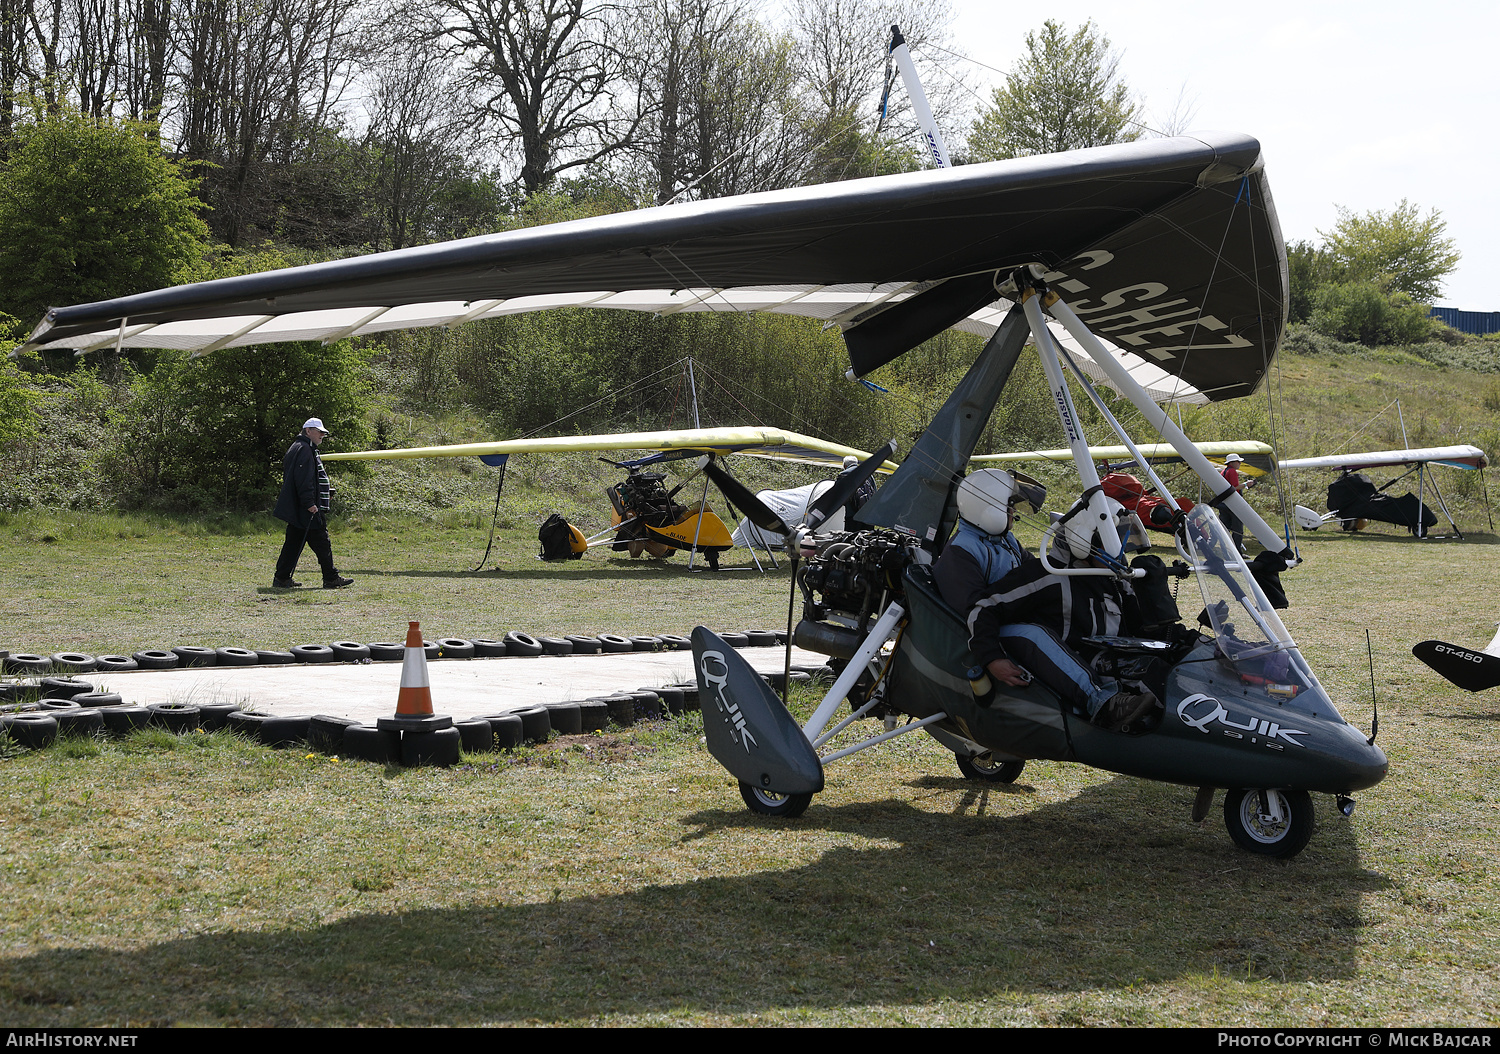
(1039, 651)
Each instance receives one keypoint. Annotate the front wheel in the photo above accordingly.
(771, 803)
(1254, 829)
(989, 768)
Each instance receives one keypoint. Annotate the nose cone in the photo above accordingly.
(1364, 764)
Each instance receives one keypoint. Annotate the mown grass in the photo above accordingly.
(209, 881)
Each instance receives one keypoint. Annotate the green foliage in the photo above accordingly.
(91, 210)
(1065, 93)
(18, 399)
(209, 433)
(1402, 250)
(1309, 266)
(1363, 312)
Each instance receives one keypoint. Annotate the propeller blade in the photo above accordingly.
(838, 495)
(736, 493)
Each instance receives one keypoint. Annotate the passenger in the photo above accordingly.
(1033, 623)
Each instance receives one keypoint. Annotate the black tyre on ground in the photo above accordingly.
(368, 743)
(349, 650)
(386, 651)
(523, 644)
(33, 729)
(213, 717)
(63, 687)
(645, 643)
(1254, 829)
(73, 661)
(195, 655)
(488, 648)
(771, 803)
(675, 642)
(611, 644)
(476, 736)
(311, 653)
(280, 732)
(120, 721)
(988, 768)
(440, 747)
(26, 663)
(79, 723)
(326, 734)
(566, 718)
(594, 714)
(583, 645)
(555, 645)
(99, 699)
(536, 723)
(175, 717)
(156, 659)
(272, 657)
(509, 732)
(456, 647)
(115, 663)
(237, 657)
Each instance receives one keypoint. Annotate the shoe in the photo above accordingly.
(1124, 709)
(337, 582)
(284, 583)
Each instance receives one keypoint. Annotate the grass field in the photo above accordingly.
(619, 880)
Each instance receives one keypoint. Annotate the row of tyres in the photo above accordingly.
(512, 644)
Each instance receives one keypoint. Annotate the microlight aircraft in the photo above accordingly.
(1353, 498)
(1168, 248)
(646, 516)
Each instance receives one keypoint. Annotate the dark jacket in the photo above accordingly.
(303, 483)
(1071, 607)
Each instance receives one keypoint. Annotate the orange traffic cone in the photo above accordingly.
(415, 698)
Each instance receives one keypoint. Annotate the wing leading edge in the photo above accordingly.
(1170, 248)
(769, 443)
(1469, 457)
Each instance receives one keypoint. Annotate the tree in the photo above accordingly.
(91, 210)
(1064, 94)
(550, 71)
(1401, 250)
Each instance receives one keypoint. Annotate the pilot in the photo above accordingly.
(983, 550)
(1031, 623)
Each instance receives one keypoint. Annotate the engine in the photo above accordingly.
(848, 583)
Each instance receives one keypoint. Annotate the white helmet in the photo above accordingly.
(984, 499)
(1080, 535)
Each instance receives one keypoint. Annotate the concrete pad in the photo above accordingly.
(461, 688)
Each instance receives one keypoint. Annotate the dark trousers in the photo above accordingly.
(316, 538)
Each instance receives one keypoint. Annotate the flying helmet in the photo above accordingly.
(985, 497)
(1080, 530)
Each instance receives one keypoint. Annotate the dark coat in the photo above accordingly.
(303, 483)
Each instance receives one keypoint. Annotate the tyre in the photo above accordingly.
(386, 651)
(237, 657)
(195, 655)
(555, 645)
(57, 704)
(372, 744)
(645, 643)
(156, 659)
(621, 709)
(213, 717)
(761, 638)
(34, 730)
(115, 663)
(439, 747)
(120, 721)
(770, 803)
(594, 715)
(280, 732)
(174, 717)
(97, 699)
(566, 719)
(476, 736)
(273, 657)
(63, 687)
(488, 648)
(79, 723)
(312, 653)
(536, 723)
(647, 705)
(518, 643)
(73, 662)
(1256, 832)
(671, 700)
(989, 768)
(583, 645)
(675, 642)
(26, 663)
(508, 730)
(613, 644)
(735, 640)
(349, 651)
(325, 734)
(456, 648)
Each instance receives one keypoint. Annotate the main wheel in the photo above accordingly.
(1255, 831)
(989, 768)
(770, 803)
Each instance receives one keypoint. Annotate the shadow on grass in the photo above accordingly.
(1108, 890)
(615, 569)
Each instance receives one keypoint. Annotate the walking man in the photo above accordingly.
(303, 504)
